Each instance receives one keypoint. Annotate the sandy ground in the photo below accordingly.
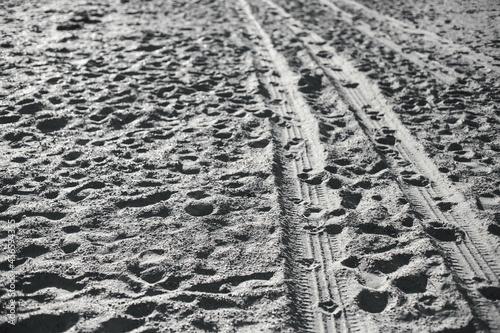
(249, 166)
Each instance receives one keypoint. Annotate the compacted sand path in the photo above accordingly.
(249, 166)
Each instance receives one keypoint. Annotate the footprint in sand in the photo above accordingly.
(372, 301)
(120, 324)
(71, 243)
(199, 208)
(223, 135)
(40, 323)
(411, 284)
(33, 251)
(350, 200)
(30, 108)
(444, 233)
(222, 157)
(490, 292)
(51, 124)
(142, 309)
(391, 264)
(261, 143)
(197, 195)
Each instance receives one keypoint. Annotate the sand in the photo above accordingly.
(249, 166)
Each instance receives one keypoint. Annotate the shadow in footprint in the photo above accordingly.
(412, 283)
(391, 265)
(214, 303)
(373, 228)
(42, 280)
(199, 209)
(198, 194)
(120, 325)
(204, 325)
(147, 200)
(333, 229)
(372, 301)
(155, 212)
(51, 124)
(47, 215)
(173, 282)
(33, 251)
(141, 309)
(43, 323)
(445, 234)
(75, 196)
(351, 262)
(262, 143)
(216, 287)
(492, 293)
(350, 200)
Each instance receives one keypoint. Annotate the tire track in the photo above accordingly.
(470, 257)
(320, 297)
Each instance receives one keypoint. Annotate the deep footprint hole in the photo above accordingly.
(372, 301)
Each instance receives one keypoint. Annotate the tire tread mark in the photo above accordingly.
(319, 282)
(474, 257)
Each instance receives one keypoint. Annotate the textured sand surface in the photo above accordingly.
(249, 166)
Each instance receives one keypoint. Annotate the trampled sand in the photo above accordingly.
(249, 166)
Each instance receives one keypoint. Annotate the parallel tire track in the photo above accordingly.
(319, 296)
(471, 258)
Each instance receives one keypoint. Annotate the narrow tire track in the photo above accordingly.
(324, 309)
